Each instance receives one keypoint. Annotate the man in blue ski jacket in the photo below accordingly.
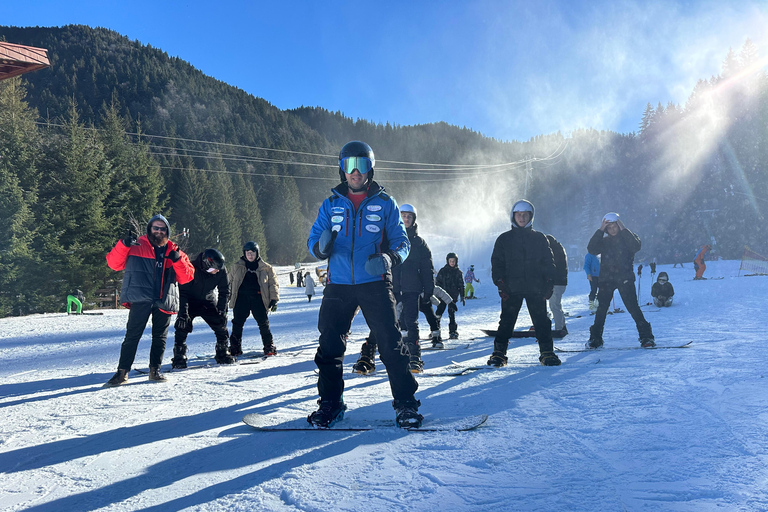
(359, 230)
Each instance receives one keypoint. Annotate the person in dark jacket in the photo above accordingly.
(411, 281)
(618, 246)
(359, 231)
(560, 283)
(451, 279)
(255, 291)
(154, 267)
(662, 291)
(198, 299)
(523, 268)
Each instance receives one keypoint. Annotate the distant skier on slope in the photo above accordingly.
(618, 250)
(154, 267)
(662, 291)
(359, 230)
(523, 269)
(698, 264)
(198, 299)
(469, 278)
(451, 279)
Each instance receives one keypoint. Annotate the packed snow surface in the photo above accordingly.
(679, 429)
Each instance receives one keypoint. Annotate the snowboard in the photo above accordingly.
(446, 346)
(684, 345)
(261, 423)
(145, 371)
(522, 334)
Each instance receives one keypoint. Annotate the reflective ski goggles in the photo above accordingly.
(361, 163)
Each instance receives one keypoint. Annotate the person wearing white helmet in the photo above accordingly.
(411, 280)
(617, 246)
(523, 268)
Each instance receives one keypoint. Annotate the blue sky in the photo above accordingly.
(507, 69)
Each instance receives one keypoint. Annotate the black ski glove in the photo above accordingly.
(273, 305)
(130, 238)
(174, 256)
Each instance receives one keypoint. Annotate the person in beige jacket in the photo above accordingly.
(254, 290)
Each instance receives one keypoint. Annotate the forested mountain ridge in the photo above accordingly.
(689, 175)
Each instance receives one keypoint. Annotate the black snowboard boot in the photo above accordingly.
(223, 355)
(454, 335)
(595, 338)
(329, 413)
(437, 340)
(365, 364)
(416, 365)
(118, 379)
(645, 335)
(497, 359)
(407, 413)
(179, 360)
(270, 350)
(549, 359)
(235, 346)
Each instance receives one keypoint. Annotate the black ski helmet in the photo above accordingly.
(356, 148)
(213, 259)
(452, 255)
(252, 246)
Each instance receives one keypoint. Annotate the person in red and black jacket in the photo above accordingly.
(154, 267)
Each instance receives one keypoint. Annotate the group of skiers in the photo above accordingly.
(377, 264)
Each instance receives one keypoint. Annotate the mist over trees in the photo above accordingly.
(111, 134)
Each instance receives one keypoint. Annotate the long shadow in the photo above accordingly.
(239, 452)
(42, 386)
(35, 457)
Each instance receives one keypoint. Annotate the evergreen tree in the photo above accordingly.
(247, 211)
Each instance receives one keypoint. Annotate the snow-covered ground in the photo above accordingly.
(680, 430)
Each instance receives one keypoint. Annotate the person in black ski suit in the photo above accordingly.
(523, 268)
(411, 281)
(198, 299)
(359, 231)
(451, 279)
(618, 246)
(662, 291)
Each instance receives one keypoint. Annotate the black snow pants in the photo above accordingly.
(138, 316)
(246, 305)
(628, 296)
(337, 309)
(537, 308)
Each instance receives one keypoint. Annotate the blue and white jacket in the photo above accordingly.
(375, 228)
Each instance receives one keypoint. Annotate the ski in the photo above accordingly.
(684, 345)
(261, 424)
(463, 369)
